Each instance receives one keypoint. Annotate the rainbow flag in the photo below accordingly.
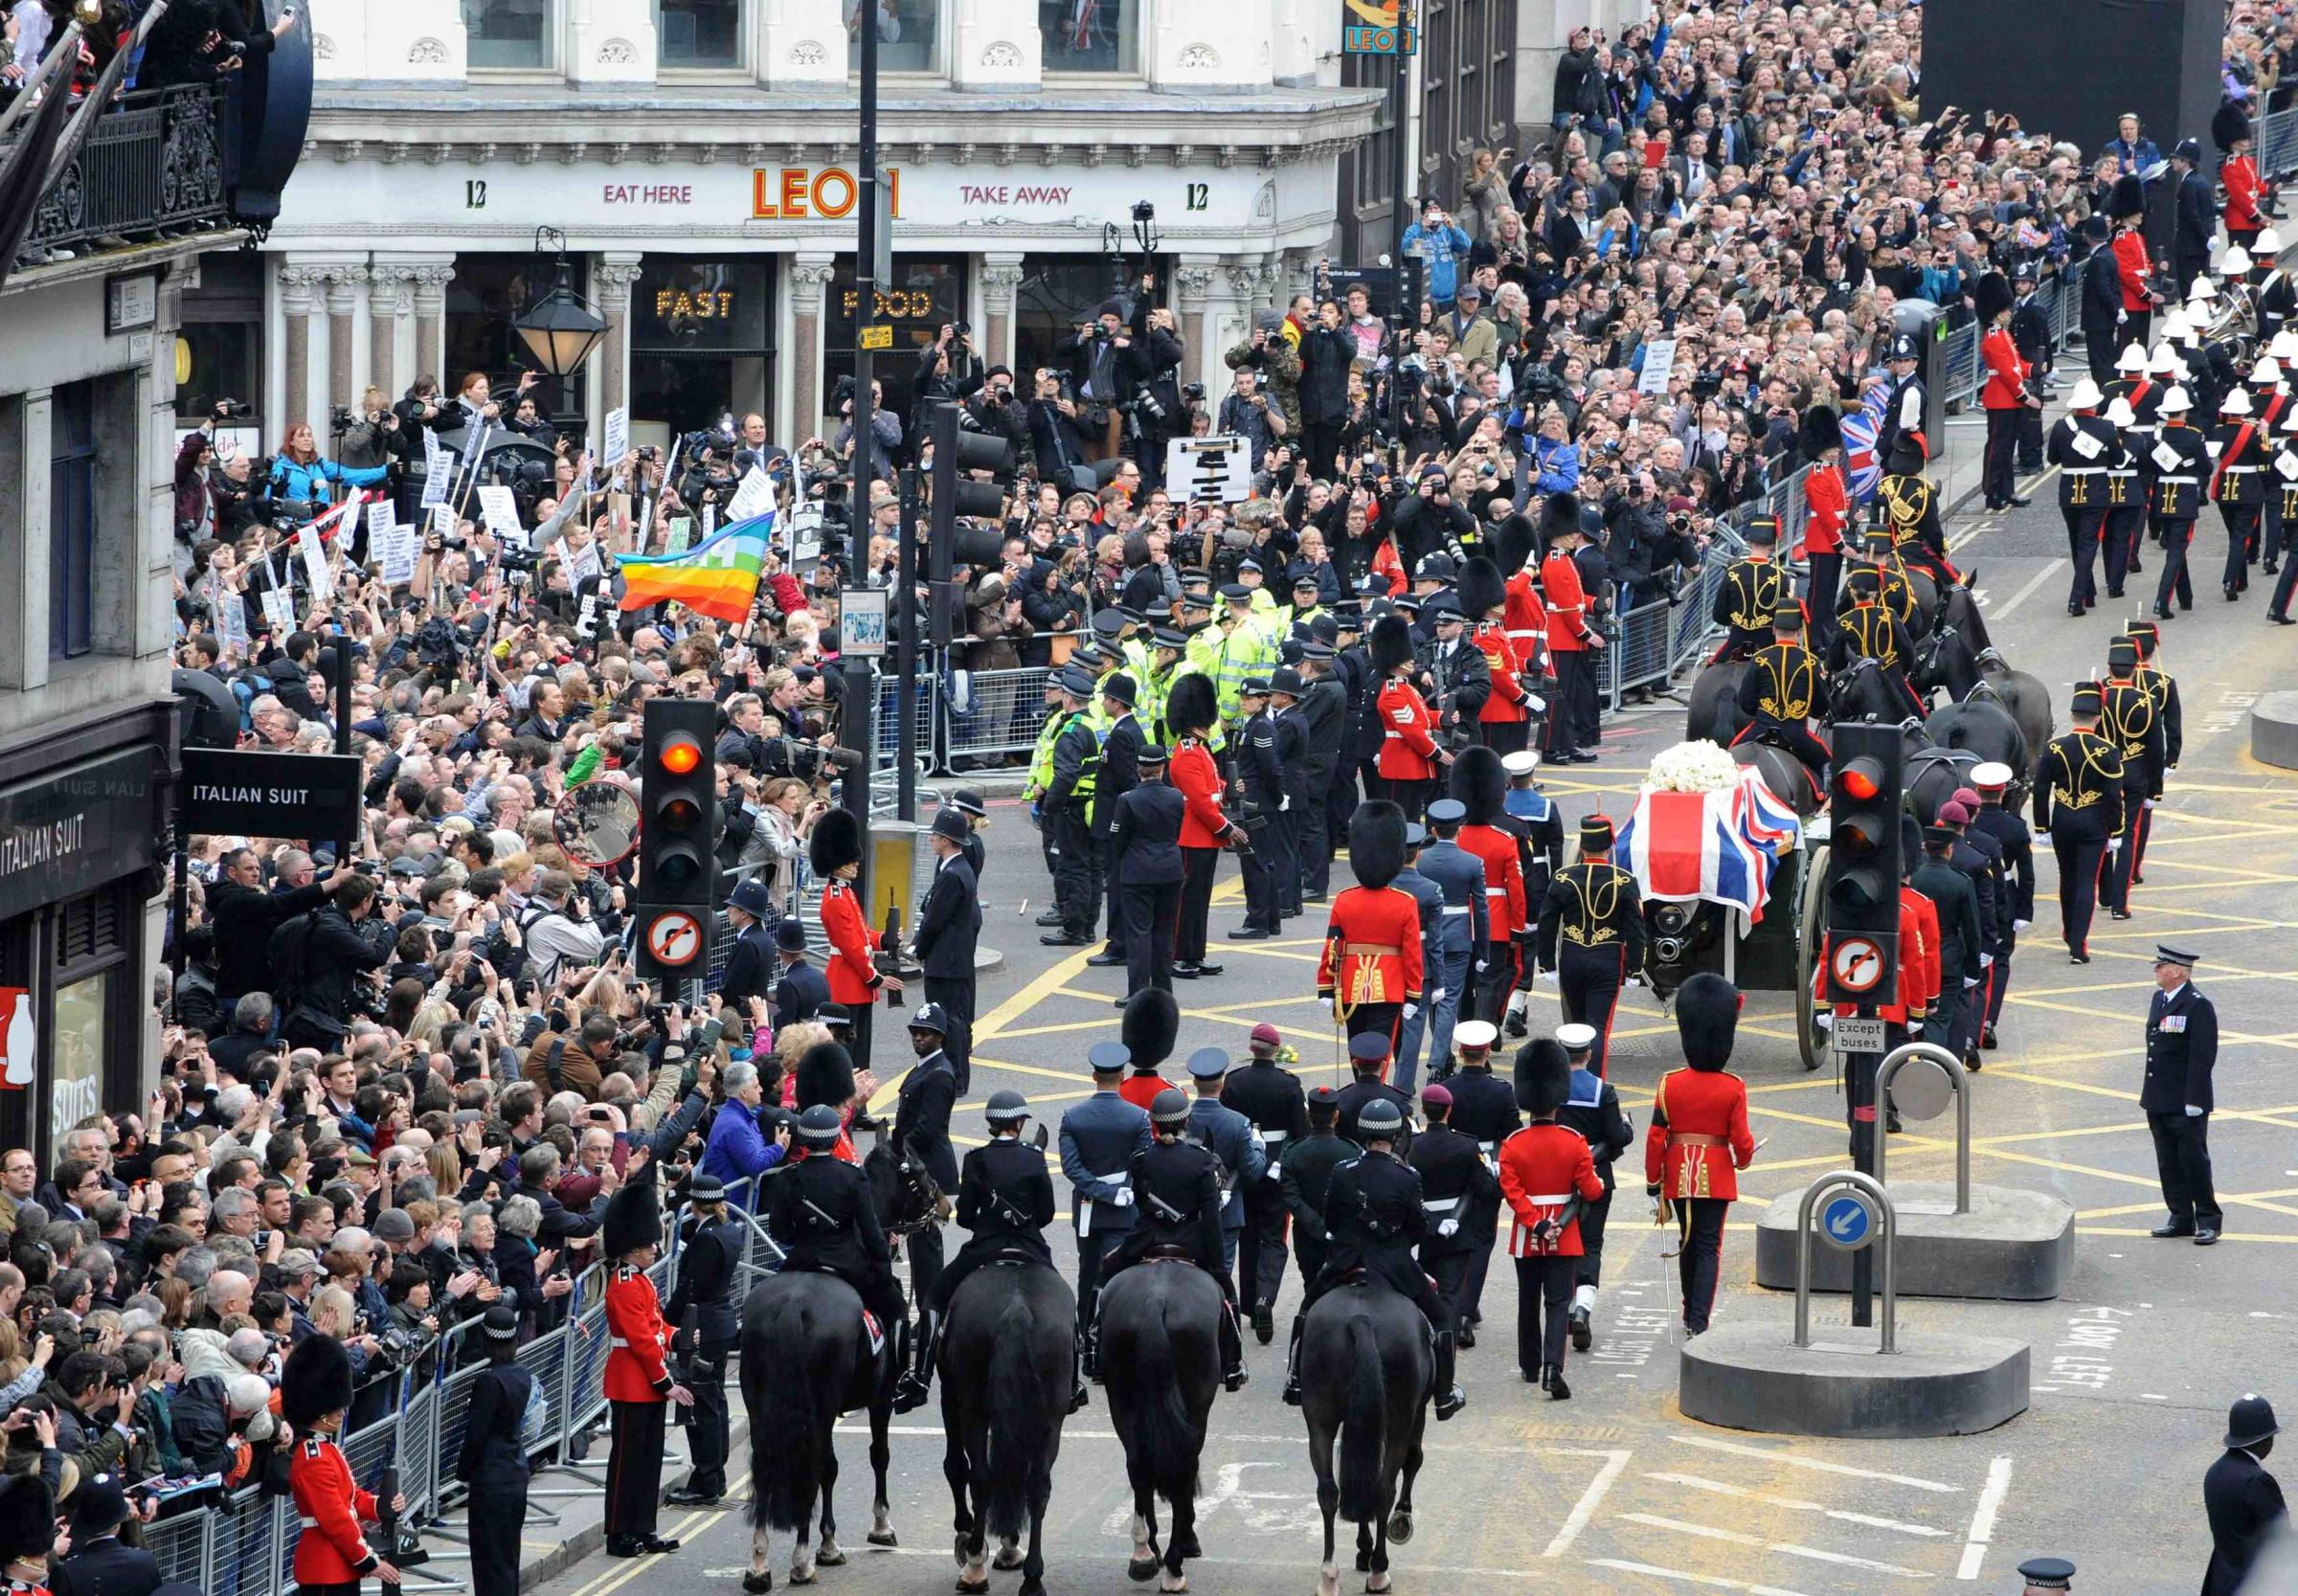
(717, 578)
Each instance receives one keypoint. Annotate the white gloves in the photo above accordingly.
(1986, 960)
(1412, 1011)
(1436, 997)
(2020, 925)
(2192, 1112)
(1970, 982)
(1550, 977)
(1451, 1227)
(2115, 845)
(1123, 1199)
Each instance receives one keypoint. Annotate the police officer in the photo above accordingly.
(1484, 1111)
(2241, 1499)
(820, 1212)
(1374, 1222)
(1177, 1193)
(1368, 1084)
(1308, 1167)
(1229, 1136)
(948, 927)
(1904, 408)
(801, 990)
(703, 1331)
(751, 964)
(2183, 1047)
(1068, 804)
(1753, 588)
(1270, 1097)
(1593, 1109)
(493, 1461)
(1260, 787)
(1120, 773)
(1304, 794)
(922, 1131)
(1099, 1139)
(2079, 803)
(1460, 1197)
(1005, 1199)
(1591, 932)
(1462, 939)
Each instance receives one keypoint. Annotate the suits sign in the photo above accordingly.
(229, 793)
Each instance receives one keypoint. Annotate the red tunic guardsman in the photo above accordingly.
(1482, 786)
(1699, 1140)
(27, 1533)
(1370, 966)
(1192, 709)
(1570, 638)
(834, 850)
(1548, 1173)
(1820, 436)
(1406, 762)
(332, 1556)
(1152, 1022)
(2245, 191)
(2005, 397)
(637, 1372)
(1504, 722)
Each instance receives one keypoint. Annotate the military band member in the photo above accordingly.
(1147, 1032)
(1782, 692)
(1591, 932)
(1869, 631)
(1699, 1140)
(2127, 719)
(2237, 485)
(1270, 1097)
(2082, 445)
(2183, 1047)
(638, 1376)
(1099, 1137)
(1592, 1109)
(2011, 834)
(1484, 1111)
(1370, 967)
(1548, 1177)
(1457, 1190)
(2281, 494)
(2125, 497)
(2180, 477)
(1753, 588)
(2078, 802)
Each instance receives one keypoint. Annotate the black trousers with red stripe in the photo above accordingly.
(2079, 860)
(1590, 979)
(634, 1468)
(1700, 1262)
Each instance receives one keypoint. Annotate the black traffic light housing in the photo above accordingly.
(678, 829)
(958, 453)
(1863, 864)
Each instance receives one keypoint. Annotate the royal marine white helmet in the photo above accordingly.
(2267, 246)
(2175, 402)
(2085, 396)
(2133, 359)
(2235, 403)
(2235, 263)
(2284, 346)
(2120, 413)
(2290, 420)
(2202, 290)
(2173, 324)
(2266, 372)
(2164, 361)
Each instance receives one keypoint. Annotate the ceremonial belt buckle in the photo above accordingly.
(1695, 1139)
(1370, 950)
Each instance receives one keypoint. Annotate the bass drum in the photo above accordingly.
(1815, 1042)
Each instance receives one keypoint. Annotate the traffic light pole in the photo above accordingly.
(1864, 1126)
(855, 726)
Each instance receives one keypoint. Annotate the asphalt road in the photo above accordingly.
(1616, 1490)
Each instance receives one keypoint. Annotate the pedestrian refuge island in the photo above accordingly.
(1996, 1243)
(1885, 1383)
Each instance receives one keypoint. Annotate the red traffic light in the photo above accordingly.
(1860, 779)
(680, 755)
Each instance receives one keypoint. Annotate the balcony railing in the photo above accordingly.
(153, 165)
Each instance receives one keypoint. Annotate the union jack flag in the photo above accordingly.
(1711, 848)
(1863, 471)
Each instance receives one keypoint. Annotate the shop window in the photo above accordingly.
(79, 1034)
(72, 521)
(701, 340)
(220, 349)
(1057, 293)
(508, 34)
(487, 292)
(908, 33)
(1090, 35)
(927, 293)
(699, 33)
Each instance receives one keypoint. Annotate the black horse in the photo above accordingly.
(1982, 725)
(1862, 693)
(1006, 1365)
(1712, 708)
(1160, 1348)
(1367, 1370)
(807, 1357)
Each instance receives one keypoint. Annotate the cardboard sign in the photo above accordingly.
(618, 435)
(499, 507)
(394, 553)
(279, 611)
(230, 626)
(1660, 364)
(680, 535)
(321, 575)
(437, 485)
(861, 623)
(754, 495)
(381, 516)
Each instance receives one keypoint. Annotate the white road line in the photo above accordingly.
(1717, 1487)
(1982, 1521)
(2033, 582)
(1715, 1581)
(943, 1554)
(1786, 1548)
(1772, 1456)
(1584, 1509)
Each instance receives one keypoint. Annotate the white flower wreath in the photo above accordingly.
(1693, 767)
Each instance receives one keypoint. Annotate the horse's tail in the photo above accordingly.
(1166, 1440)
(1020, 1421)
(785, 1445)
(1363, 1424)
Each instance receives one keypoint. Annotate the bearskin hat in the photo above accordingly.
(1191, 705)
(1151, 1023)
(634, 1215)
(1707, 1014)
(2229, 124)
(1389, 644)
(27, 1511)
(835, 843)
(1376, 842)
(1518, 546)
(825, 1077)
(1821, 428)
(315, 1381)
(1481, 784)
(1991, 297)
(1480, 587)
(1543, 1075)
(1559, 514)
(2128, 199)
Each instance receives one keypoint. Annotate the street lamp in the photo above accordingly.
(558, 329)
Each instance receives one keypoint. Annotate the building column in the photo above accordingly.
(809, 281)
(616, 272)
(296, 303)
(390, 303)
(431, 321)
(1000, 276)
(1228, 312)
(995, 45)
(343, 301)
(1193, 282)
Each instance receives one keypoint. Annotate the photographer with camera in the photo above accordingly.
(1248, 412)
(367, 436)
(1158, 411)
(1274, 360)
(1057, 437)
(948, 371)
(992, 409)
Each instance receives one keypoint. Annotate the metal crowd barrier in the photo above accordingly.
(989, 713)
(2277, 136)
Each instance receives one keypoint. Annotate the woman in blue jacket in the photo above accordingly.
(300, 474)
